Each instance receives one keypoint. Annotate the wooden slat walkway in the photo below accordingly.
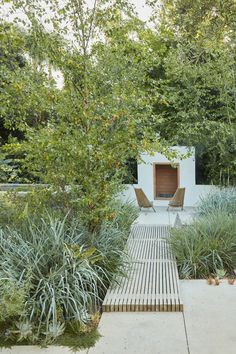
(152, 282)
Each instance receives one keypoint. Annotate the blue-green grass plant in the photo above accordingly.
(220, 200)
(61, 272)
(56, 269)
(206, 247)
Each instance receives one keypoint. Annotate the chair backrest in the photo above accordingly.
(178, 198)
(142, 199)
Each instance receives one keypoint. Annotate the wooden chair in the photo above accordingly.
(178, 199)
(142, 199)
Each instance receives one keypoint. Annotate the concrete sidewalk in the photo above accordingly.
(207, 325)
(210, 317)
(141, 333)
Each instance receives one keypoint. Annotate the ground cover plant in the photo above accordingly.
(53, 275)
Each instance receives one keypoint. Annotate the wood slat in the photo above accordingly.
(152, 282)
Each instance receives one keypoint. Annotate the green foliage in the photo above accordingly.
(126, 89)
(195, 104)
(55, 274)
(17, 206)
(78, 341)
(221, 200)
(206, 247)
(25, 91)
(194, 81)
(204, 20)
(111, 239)
(12, 297)
(9, 211)
(100, 118)
(7, 171)
(26, 96)
(59, 280)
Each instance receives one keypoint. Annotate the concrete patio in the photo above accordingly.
(164, 217)
(207, 325)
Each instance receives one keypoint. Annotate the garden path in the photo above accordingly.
(151, 282)
(206, 326)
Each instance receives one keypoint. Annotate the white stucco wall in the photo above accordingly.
(186, 178)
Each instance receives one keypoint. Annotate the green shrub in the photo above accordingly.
(221, 200)
(206, 247)
(110, 239)
(37, 203)
(15, 208)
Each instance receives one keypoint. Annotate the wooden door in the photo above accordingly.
(166, 181)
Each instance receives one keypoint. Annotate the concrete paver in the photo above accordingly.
(141, 333)
(210, 315)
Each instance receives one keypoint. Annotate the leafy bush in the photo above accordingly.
(58, 271)
(223, 200)
(15, 208)
(110, 239)
(206, 247)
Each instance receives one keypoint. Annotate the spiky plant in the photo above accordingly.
(57, 272)
(206, 247)
(221, 200)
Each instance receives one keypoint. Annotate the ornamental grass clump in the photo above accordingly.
(221, 200)
(207, 247)
(54, 275)
(57, 275)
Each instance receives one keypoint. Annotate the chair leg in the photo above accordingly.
(154, 209)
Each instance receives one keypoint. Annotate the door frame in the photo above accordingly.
(155, 178)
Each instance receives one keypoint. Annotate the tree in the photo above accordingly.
(101, 117)
(201, 20)
(195, 82)
(25, 94)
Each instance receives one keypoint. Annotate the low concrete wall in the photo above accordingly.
(193, 195)
(193, 192)
(20, 186)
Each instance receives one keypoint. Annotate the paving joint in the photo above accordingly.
(186, 333)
